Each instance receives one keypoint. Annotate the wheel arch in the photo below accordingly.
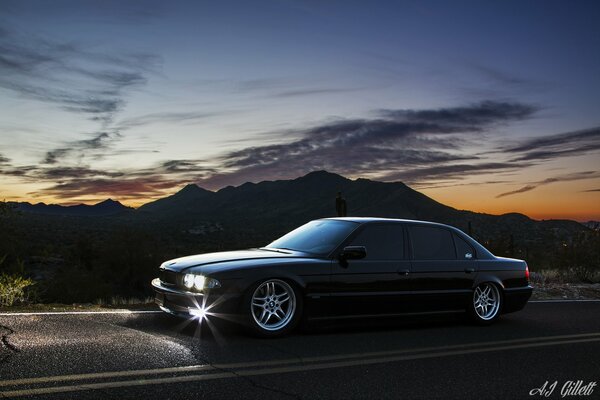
(484, 277)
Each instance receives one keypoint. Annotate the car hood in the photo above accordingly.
(183, 263)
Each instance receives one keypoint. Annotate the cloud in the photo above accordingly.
(470, 118)
(500, 77)
(185, 166)
(502, 80)
(123, 188)
(591, 190)
(564, 178)
(453, 171)
(67, 74)
(73, 78)
(165, 118)
(554, 146)
(4, 160)
(77, 80)
(280, 87)
(416, 146)
(99, 141)
(314, 91)
(406, 142)
(62, 173)
(37, 173)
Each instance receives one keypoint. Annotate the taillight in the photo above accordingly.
(527, 273)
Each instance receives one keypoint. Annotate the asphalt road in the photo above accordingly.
(150, 355)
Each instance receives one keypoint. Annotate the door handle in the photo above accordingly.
(469, 270)
(404, 272)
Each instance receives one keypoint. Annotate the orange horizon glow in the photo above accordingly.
(542, 204)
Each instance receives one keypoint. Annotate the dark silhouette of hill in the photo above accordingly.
(277, 206)
(270, 208)
(107, 207)
(186, 200)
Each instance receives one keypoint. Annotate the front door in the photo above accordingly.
(379, 283)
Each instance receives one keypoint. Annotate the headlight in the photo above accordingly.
(200, 282)
(188, 280)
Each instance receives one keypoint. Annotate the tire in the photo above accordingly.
(486, 303)
(272, 308)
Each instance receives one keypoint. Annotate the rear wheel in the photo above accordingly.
(486, 303)
(274, 308)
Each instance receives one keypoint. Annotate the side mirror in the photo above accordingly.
(353, 253)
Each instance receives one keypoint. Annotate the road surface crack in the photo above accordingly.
(7, 344)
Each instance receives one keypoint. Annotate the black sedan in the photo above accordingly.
(345, 268)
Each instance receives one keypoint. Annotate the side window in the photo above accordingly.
(432, 243)
(383, 242)
(463, 249)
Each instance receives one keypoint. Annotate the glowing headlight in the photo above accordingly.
(188, 280)
(200, 282)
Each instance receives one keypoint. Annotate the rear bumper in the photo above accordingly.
(516, 298)
(182, 303)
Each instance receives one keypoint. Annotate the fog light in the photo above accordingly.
(199, 313)
(188, 280)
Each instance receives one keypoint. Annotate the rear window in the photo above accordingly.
(464, 250)
(432, 243)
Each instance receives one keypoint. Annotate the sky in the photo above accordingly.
(485, 106)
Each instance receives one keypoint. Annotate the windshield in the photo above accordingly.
(316, 237)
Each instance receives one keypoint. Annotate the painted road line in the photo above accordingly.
(279, 370)
(299, 360)
(566, 301)
(12, 314)
(9, 314)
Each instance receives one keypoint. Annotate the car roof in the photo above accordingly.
(362, 220)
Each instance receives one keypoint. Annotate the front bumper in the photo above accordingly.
(182, 303)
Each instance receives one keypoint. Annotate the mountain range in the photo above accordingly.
(274, 207)
(107, 207)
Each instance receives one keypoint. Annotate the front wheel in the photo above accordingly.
(274, 308)
(486, 303)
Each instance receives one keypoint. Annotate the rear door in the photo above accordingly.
(443, 268)
(377, 284)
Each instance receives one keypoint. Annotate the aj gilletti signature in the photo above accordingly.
(569, 388)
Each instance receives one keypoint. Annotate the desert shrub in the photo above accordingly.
(124, 301)
(586, 275)
(12, 288)
(547, 276)
(568, 275)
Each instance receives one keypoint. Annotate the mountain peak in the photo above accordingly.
(185, 199)
(192, 188)
(109, 202)
(321, 173)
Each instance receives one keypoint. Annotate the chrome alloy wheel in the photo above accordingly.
(273, 304)
(486, 301)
